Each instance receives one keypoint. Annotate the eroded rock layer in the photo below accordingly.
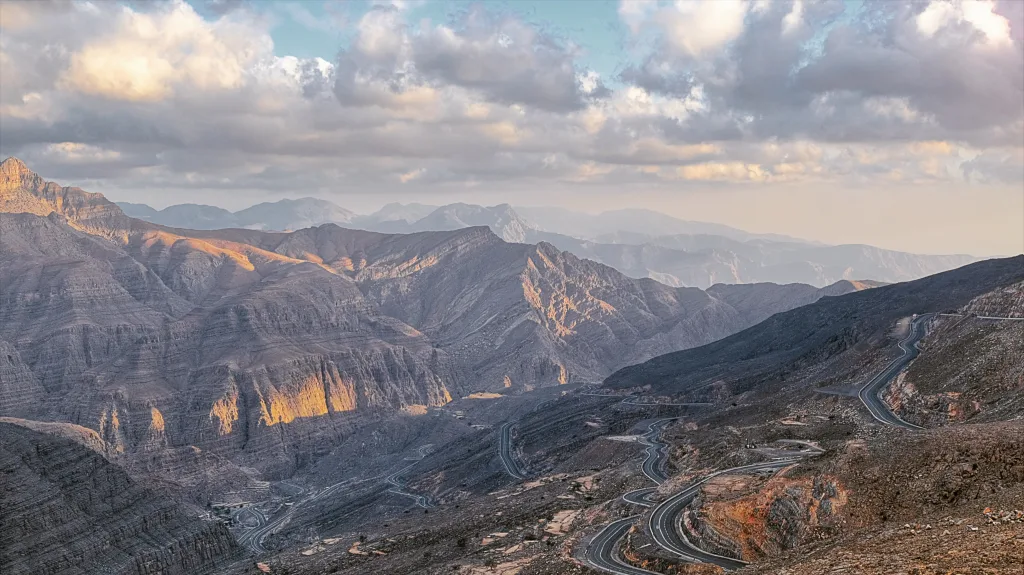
(67, 510)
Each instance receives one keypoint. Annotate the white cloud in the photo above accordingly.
(701, 26)
(78, 152)
(791, 23)
(635, 13)
(146, 56)
(980, 14)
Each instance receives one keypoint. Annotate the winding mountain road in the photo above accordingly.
(398, 488)
(654, 464)
(254, 537)
(663, 520)
(641, 497)
(602, 552)
(505, 452)
(870, 394)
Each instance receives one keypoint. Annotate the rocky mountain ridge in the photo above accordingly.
(818, 331)
(262, 345)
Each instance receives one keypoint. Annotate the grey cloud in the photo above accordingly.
(648, 76)
(965, 90)
(346, 129)
(995, 166)
(223, 6)
(960, 92)
(504, 60)
(508, 61)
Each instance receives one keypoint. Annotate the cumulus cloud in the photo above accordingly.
(145, 56)
(501, 59)
(941, 69)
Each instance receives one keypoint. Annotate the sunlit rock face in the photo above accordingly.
(163, 340)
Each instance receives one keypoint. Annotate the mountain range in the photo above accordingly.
(180, 400)
(638, 243)
(167, 337)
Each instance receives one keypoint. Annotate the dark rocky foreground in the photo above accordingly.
(68, 510)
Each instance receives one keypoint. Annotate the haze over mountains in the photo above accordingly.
(638, 243)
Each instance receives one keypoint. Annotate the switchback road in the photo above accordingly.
(602, 552)
(664, 518)
(654, 463)
(870, 394)
(398, 488)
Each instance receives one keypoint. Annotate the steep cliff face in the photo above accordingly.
(20, 390)
(22, 190)
(189, 343)
(69, 511)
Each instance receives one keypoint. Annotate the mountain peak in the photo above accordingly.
(13, 168)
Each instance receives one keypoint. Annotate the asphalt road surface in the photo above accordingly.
(398, 487)
(870, 394)
(641, 497)
(505, 452)
(654, 463)
(602, 552)
(663, 520)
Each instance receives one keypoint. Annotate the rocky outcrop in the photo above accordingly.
(69, 511)
(22, 190)
(778, 515)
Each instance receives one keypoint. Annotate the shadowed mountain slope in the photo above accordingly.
(67, 510)
(811, 333)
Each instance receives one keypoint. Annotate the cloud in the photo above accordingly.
(996, 166)
(146, 56)
(160, 98)
(798, 70)
(501, 59)
(697, 27)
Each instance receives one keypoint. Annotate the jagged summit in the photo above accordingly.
(24, 191)
(13, 167)
(14, 174)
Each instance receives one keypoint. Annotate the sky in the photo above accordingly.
(894, 123)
